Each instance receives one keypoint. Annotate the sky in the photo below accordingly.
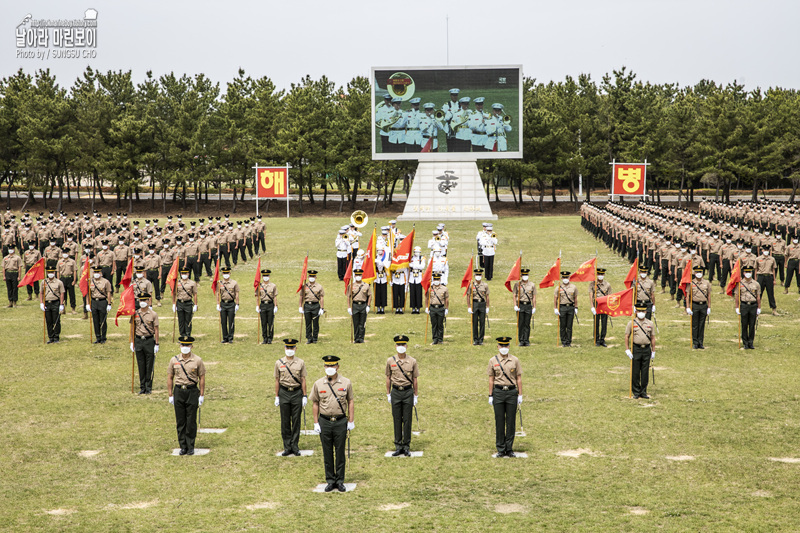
(675, 41)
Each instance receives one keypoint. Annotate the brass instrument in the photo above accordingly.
(386, 124)
(439, 115)
(494, 235)
(506, 119)
(359, 219)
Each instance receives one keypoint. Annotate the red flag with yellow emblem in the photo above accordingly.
(617, 304)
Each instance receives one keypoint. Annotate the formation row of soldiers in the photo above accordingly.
(668, 240)
(466, 130)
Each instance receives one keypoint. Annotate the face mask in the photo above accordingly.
(51, 276)
(503, 351)
(641, 315)
(436, 282)
(184, 276)
(565, 281)
(266, 278)
(139, 275)
(739, 246)
(166, 246)
(794, 241)
(524, 278)
(748, 250)
(478, 278)
(600, 277)
(692, 251)
(401, 349)
(142, 304)
(52, 243)
(31, 247)
(191, 239)
(186, 349)
(97, 276)
(698, 275)
(643, 275)
(64, 255)
(766, 252)
(312, 279)
(226, 276)
(728, 241)
(748, 275)
(289, 353)
(329, 370)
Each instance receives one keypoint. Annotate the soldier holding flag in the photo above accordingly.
(312, 305)
(145, 342)
(184, 301)
(524, 305)
(747, 304)
(437, 304)
(52, 304)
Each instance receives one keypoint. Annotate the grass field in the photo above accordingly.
(697, 456)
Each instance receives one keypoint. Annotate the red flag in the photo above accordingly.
(83, 282)
(617, 304)
(172, 275)
(348, 275)
(303, 275)
(586, 271)
(631, 277)
(369, 261)
(127, 304)
(736, 277)
(402, 254)
(215, 279)
(467, 279)
(686, 278)
(426, 277)
(128, 275)
(34, 274)
(514, 274)
(257, 280)
(428, 146)
(552, 276)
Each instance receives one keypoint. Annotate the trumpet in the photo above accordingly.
(506, 119)
(494, 235)
(359, 219)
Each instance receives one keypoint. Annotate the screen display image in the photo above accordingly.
(447, 113)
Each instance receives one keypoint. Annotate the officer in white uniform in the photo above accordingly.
(478, 239)
(433, 242)
(488, 248)
(380, 114)
(358, 262)
(399, 290)
(477, 125)
(343, 250)
(382, 262)
(440, 264)
(413, 137)
(397, 131)
(460, 123)
(496, 130)
(443, 239)
(417, 265)
(429, 128)
(449, 109)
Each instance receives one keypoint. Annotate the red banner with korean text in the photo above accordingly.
(272, 182)
(629, 179)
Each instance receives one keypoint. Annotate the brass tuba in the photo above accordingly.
(359, 219)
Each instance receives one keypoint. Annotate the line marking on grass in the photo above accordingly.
(212, 430)
(638, 511)
(88, 453)
(790, 460)
(578, 453)
(761, 494)
(394, 506)
(261, 505)
(680, 457)
(508, 508)
(197, 451)
(413, 454)
(137, 505)
(61, 512)
(519, 455)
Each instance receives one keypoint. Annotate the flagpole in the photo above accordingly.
(519, 282)
(220, 318)
(427, 315)
(133, 352)
(469, 304)
(303, 289)
(689, 303)
(558, 285)
(594, 298)
(633, 312)
(258, 303)
(739, 301)
(44, 325)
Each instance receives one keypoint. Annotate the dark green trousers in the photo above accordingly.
(311, 316)
(291, 407)
(749, 315)
(359, 321)
(227, 316)
(601, 326)
(333, 435)
(505, 417)
(437, 323)
(402, 411)
(185, 314)
(640, 369)
(53, 319)
(267, 321)
(478, 321)
(186, 404)
(699, 314)
(565, 323)
(524, 324)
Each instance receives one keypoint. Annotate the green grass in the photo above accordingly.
(729, 409)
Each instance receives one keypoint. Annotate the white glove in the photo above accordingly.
(275, 309)
(351, 426)
(350, 311)
(41, 306)
(300, 309)
(519, 399)
(758, 311)
(88, 308)
(533, 311)
(317, 431)
(629, 354)
(258, 309)
(652, 355)
(446, 312)
(132, 348)
(594, 311)
(516, 308)
(108, 309)
(389, 398)
(194, 308)
(575, 312)
(416, 398)
(556, 312)
(219, 308)
(322, 312)
(427, 311)
(367, 309)
(469, 310)
(689, 312)
(487, 311)
(61, 308)
(236, 308)
(708, 311)
(174, 308)
(491, 400)
(305, 401)
(654, 308)
(277, 401)
(155, 349)
(172, 400)
(200, 400)
(737, 311)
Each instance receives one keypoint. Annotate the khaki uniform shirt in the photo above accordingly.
(793, 251)
(438, 295)
(190, 249)
(642, 329)
(185, 290)
(12, 263)
(360, 292)
(30, 257)
(566, 295)
(765, 264)
(750, 290)
(194, 368)
(122, 252)
(298, 368)
(409, 366)
(141, 286)
(100, 288)
(479, 290)
(313, 293)
(65, 268)
(748, 259)
(167, 256)
(323, 393)
(524, 292)
(146, 322)
(701, 290)
(603, 289)
(510, 364)
(53, 289)
(268, 292)
(52, 253)
(152, 261)
(228, 290)
(644, 289)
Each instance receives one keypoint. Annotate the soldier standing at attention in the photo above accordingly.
(267, 306)
(603, 288)
(65, 270)
(290, 396)
(437, 305)
(52, 304)
(102, 294)
(641, 351)
(145, 342)
(765, 270)
(343, 250)
(312, 306)
(122, 253)
(505, 394)
(358, 300)
(488, 249)
(186, 383)
(747, 304)
(524, 305)
(417, 267)
(700, 307)
(12, 264)
(228, 305)
(565, 306)
(141, 285)
(334, 416)
(152, 266)
(402, 393)
(184, 302)
(479, 307)
(646, 291)
(30, 257)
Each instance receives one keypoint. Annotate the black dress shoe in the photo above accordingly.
(603, 344)
(635, 396)
(329, 487)
(407, 452)
(50, 341)
(340, 486)
(97, 342)
(397, 453)
(141, 392)
(510, 454)
(309, 341)
(286, 453)
(182, 452)
(190, 451)
(269, 341)
(645, 396)
(297, 453)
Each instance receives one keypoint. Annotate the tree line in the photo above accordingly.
(187, 139)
